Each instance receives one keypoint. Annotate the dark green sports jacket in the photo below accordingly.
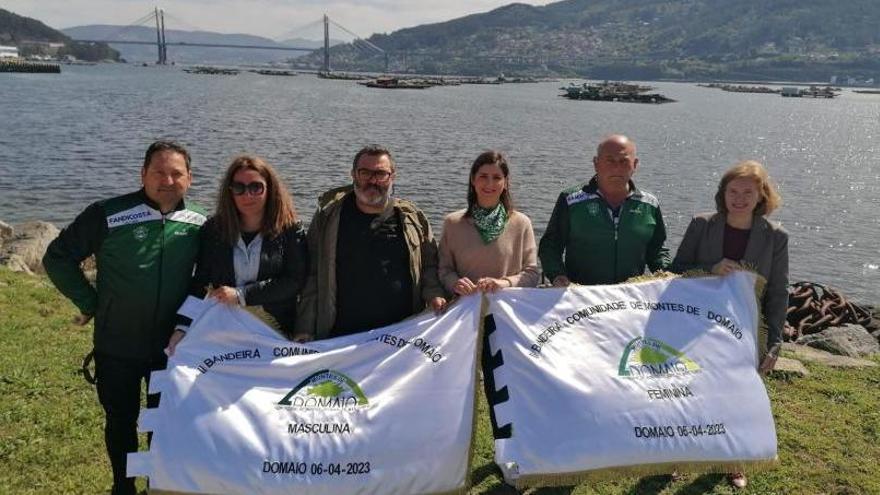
(582, 242)
(144, 261)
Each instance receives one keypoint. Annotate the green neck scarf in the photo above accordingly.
(490, 222)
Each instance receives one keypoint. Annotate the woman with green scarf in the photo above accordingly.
(489, 245)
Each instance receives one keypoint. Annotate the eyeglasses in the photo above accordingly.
(380, 175)
(252, 188)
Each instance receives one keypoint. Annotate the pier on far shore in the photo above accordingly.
(29, 67)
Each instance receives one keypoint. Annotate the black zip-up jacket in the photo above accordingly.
(282, 274)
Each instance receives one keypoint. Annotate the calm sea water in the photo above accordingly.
(71, 139)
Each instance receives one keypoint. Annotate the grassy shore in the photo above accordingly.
(51, 439)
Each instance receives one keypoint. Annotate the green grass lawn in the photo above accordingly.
(51, 438)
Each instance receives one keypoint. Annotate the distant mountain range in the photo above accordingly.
(640, 39)
(193, 54)
(615, 39)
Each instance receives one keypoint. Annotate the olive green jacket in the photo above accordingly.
(316, 314)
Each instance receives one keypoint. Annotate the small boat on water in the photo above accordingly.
(342, 76)
(273, 72)
(614, 91)
(215, 71)
(739, 88)
(396, 83)
(811, 92)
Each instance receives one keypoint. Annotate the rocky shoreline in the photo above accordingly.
(844, 345)
(22, 246)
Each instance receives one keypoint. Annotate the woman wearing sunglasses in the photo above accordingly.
(253, 250)
(489, 245)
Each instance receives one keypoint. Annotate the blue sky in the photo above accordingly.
(269, 18)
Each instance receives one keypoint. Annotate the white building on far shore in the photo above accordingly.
(7, 52)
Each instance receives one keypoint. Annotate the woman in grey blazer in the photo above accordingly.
(738, 235)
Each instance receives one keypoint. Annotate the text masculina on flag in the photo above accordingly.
(583, 382)
(244, 411)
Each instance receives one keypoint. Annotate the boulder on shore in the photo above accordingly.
(16, 263)
(24, 248)
(807, 353)
(873, 326)
(847, 340)
(790, 366)
(6, 231)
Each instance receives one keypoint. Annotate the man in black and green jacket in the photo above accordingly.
(607, 230)
(144, 244)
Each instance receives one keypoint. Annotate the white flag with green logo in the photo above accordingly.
(647, 377)
(244, 411)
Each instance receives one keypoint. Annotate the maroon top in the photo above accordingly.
(735, 241)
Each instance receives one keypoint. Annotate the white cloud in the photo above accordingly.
(270, 18)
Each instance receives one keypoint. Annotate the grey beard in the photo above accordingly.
(381, 200)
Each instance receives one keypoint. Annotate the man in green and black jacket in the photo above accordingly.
(144, 243)
(607, 230)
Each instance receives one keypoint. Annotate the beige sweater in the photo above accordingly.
(512, 255)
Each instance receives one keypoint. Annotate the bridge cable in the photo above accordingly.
(182, 24)
(371, 45)
(139, 22)
(299, 31)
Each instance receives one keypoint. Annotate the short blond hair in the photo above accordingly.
(750, 169)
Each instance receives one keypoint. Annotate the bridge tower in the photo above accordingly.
(164, 44)
(326, 67)
(160, 36)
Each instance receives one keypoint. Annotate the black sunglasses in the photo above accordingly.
(252, 188)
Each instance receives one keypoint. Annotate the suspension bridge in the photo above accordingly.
(162, 43)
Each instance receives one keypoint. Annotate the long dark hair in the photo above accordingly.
(490, 157)
(279, 213)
